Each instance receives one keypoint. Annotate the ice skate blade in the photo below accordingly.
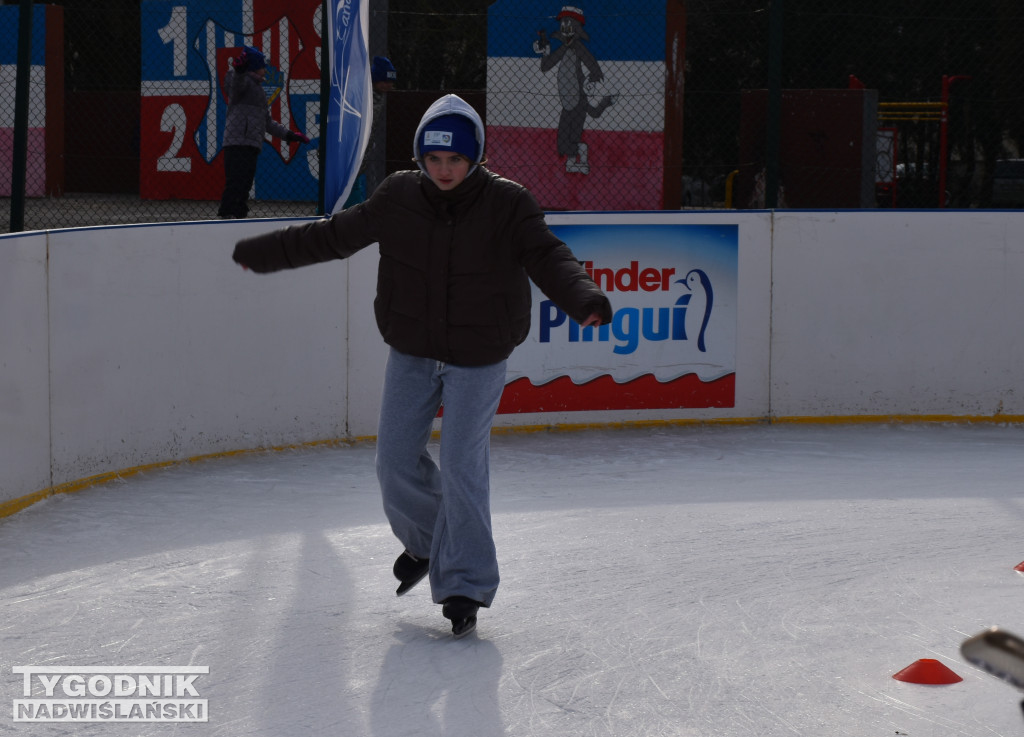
(463, 627)
(406, 585)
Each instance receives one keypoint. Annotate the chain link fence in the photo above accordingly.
(607, 105)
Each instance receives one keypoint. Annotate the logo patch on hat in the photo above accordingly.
(437, 138)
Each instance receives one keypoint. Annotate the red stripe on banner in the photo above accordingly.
(603, 393)
(303, 38)
(35, 172)
(624, 168)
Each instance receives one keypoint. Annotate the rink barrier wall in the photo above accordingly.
(13, 506)
(129, 348)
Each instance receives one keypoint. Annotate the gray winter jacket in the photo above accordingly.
(248, 119)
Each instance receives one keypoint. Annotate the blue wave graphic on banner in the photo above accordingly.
(350, 107)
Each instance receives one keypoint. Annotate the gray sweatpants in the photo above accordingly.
(443, 513)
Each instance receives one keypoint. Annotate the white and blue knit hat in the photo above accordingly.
(453, 132)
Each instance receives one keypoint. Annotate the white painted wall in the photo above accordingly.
(367, 352)
(162, 347)
(903, 313)
(24, 374)
(132, 345)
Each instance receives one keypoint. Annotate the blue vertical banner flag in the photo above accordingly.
(350, 107)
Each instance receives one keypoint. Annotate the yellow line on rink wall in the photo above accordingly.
(902, 420)
(12, 506)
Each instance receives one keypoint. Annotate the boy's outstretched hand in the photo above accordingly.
(600, 312)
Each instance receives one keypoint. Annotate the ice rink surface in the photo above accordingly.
(710, 581)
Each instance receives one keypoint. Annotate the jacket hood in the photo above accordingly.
(450, 105)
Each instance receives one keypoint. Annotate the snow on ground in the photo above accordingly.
(721, 580)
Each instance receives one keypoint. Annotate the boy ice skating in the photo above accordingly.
(458, 248)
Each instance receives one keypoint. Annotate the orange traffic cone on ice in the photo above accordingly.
(928, 671)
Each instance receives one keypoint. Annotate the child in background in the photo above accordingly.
(247, 124)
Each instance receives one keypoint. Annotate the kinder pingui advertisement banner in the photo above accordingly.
(672, 341)
(186, 50)
(576, 99)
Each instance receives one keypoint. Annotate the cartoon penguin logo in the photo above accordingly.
(572, 57)
(698, 305)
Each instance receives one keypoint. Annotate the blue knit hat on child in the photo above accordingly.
(254, 59)
(450, 133)
(382, 70)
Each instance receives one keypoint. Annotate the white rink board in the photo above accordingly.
(164, 348)
(24, 383)
(897, 313)
(128, 346)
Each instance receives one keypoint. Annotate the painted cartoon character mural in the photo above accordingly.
(574, 84)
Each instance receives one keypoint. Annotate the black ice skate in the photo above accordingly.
(462, 611)
(410, 570)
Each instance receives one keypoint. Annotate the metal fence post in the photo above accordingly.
(325, 99)
(774, 123)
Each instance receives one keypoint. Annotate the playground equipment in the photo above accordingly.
(898, 115)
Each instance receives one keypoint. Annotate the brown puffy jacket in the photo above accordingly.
(453, 280)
